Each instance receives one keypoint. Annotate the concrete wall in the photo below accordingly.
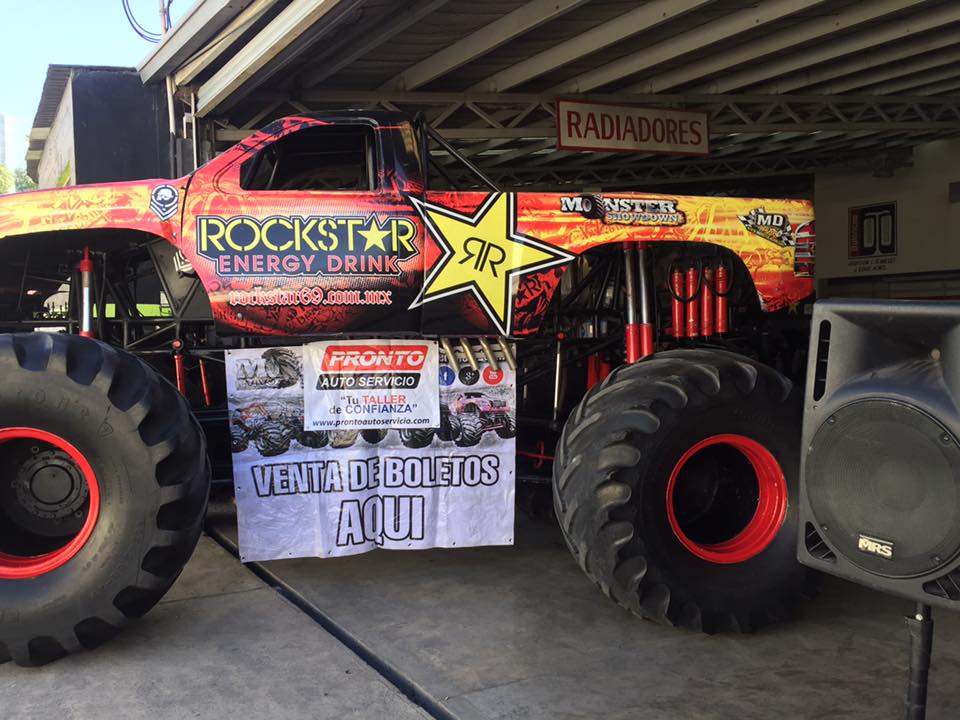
(927, 223)
(57, 164)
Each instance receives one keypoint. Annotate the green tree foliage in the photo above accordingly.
(15, 180)
(22, 181)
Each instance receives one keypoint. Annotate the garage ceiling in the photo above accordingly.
(790, 85)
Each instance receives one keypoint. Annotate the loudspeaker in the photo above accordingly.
(880, 460)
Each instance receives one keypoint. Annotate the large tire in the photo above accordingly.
(471, 429)
(614, 463)
(313, 438)
(509, 427)
(341, 439)
(415, 438)
(239, 439)
(145, 455)
(374, 437)
(449, 429)
(272, 439)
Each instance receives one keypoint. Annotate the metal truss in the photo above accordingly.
(511, 136)
(511, 116)
(673, 173)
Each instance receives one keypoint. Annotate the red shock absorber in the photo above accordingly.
(693, 309)
(593, 370)
(722, 287)
(597, 369)
(179, 367)
(706, 302)
(205, 383)
(676, 303)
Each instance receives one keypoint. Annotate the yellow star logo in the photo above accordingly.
(483, 254)
(374, 235)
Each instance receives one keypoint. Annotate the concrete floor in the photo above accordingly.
(484, 633)
(220, 645)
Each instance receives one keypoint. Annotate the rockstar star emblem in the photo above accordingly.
(374, 235)
(484, 255)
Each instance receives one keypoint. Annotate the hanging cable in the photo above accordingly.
(137, 27)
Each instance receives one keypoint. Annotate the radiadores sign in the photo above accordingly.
(370, 384)
(624, 128)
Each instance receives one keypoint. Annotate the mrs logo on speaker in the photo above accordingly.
(874, 546)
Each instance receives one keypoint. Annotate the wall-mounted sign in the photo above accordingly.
(872, 237)
(624, 128)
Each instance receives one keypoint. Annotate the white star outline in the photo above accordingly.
(561, 257)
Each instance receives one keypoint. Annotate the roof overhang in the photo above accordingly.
(787, 84)
(201, 22)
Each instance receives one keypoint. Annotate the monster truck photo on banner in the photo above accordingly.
(305, 492)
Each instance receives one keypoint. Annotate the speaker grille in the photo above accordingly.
(946, 586)
(882, 481)
(816, 546)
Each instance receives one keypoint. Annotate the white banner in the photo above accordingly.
(352, 384)
(318, 493)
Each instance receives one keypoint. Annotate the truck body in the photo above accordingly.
(277, 255)
(655, 338)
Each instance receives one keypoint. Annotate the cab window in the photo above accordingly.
(326, 157)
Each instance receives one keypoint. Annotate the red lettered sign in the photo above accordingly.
(624, 128)
(373, 358)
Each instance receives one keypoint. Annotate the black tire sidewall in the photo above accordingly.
(129, 498)
(752, 416)
(471, 430)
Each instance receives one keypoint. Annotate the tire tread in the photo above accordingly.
(181, 471)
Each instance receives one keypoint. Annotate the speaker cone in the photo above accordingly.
(882, 483)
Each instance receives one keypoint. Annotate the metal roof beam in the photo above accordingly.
(353, 47)
(850, 47)
(199, 23)
(522, 20)
(751, 20)
(429, 98)
(949, 86)
(770, 43)
(891, 72)
(201, 60)
(619, 28)
(950, 72)
(282, 32)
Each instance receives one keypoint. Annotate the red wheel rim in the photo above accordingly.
(768, 517)
(17, 567)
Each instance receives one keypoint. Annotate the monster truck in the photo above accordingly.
(656, 336)
(448, 431)
(478, 413)
(272, 425)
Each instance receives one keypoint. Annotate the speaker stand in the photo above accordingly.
(920, 627)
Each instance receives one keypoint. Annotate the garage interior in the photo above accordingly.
(844, 102)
